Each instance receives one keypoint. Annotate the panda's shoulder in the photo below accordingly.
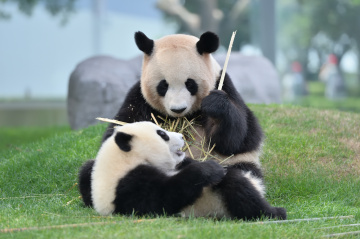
(134, 94)
(134, 108)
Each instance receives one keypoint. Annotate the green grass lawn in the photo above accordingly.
(311, 159)
(14, 137)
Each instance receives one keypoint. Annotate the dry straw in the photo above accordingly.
(111, 121)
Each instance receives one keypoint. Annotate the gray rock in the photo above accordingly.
(97, 88)
(254, 77)
(98, 85)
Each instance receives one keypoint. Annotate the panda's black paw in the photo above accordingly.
(187, 161)
(216, 104)
(212, 172)
(281, 213)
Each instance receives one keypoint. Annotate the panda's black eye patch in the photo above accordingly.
(191, 86)
(163, 135)
(162, 87)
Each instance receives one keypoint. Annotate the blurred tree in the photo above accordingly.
(220, 16)
(326, 27)
(54, 7)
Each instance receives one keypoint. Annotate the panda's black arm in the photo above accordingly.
(134, 109)
(229, 123)
(185, 163)
(147, 190)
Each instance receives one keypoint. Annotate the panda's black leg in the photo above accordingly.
(85, 182)
(243, 200)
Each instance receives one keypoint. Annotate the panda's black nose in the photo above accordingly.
(178, 110)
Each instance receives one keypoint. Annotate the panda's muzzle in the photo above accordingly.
(178, 111)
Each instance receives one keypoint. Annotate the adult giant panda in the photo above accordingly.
(135, 172)
(179, 78)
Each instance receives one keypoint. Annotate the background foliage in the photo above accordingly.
(54, 7)
(318, 27)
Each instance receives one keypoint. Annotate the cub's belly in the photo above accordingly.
(209, 204)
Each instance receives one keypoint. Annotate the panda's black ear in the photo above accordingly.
(123, 141)
(208, 43)
(145, 44)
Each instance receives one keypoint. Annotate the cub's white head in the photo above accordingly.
(129, 146)
(146, 143)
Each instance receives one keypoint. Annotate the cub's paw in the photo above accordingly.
(216, 104)
(212, 172)
(187, 161)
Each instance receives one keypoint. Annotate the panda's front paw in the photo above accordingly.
(216, 104)
(212, 172)
(187, 161)
(280, 213)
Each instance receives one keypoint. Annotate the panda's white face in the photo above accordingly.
(178, 97)
(175, 77)
(148, 143)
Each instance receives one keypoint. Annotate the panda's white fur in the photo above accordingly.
(209, 204)
(256, 182)
(112, 163)
(168, 62)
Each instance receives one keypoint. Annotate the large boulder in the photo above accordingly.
(97, 88)
(98, 85)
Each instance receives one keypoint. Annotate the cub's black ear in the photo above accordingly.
(123, 141)
(208, 43)
(145, 44)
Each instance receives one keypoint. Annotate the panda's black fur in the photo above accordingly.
(147, 189)
(85, 182)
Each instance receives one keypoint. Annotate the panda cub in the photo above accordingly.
(134, 172)
(140, 169)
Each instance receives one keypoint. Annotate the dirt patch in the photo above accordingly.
(340, 122)
(349, 166)
(353, 145)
